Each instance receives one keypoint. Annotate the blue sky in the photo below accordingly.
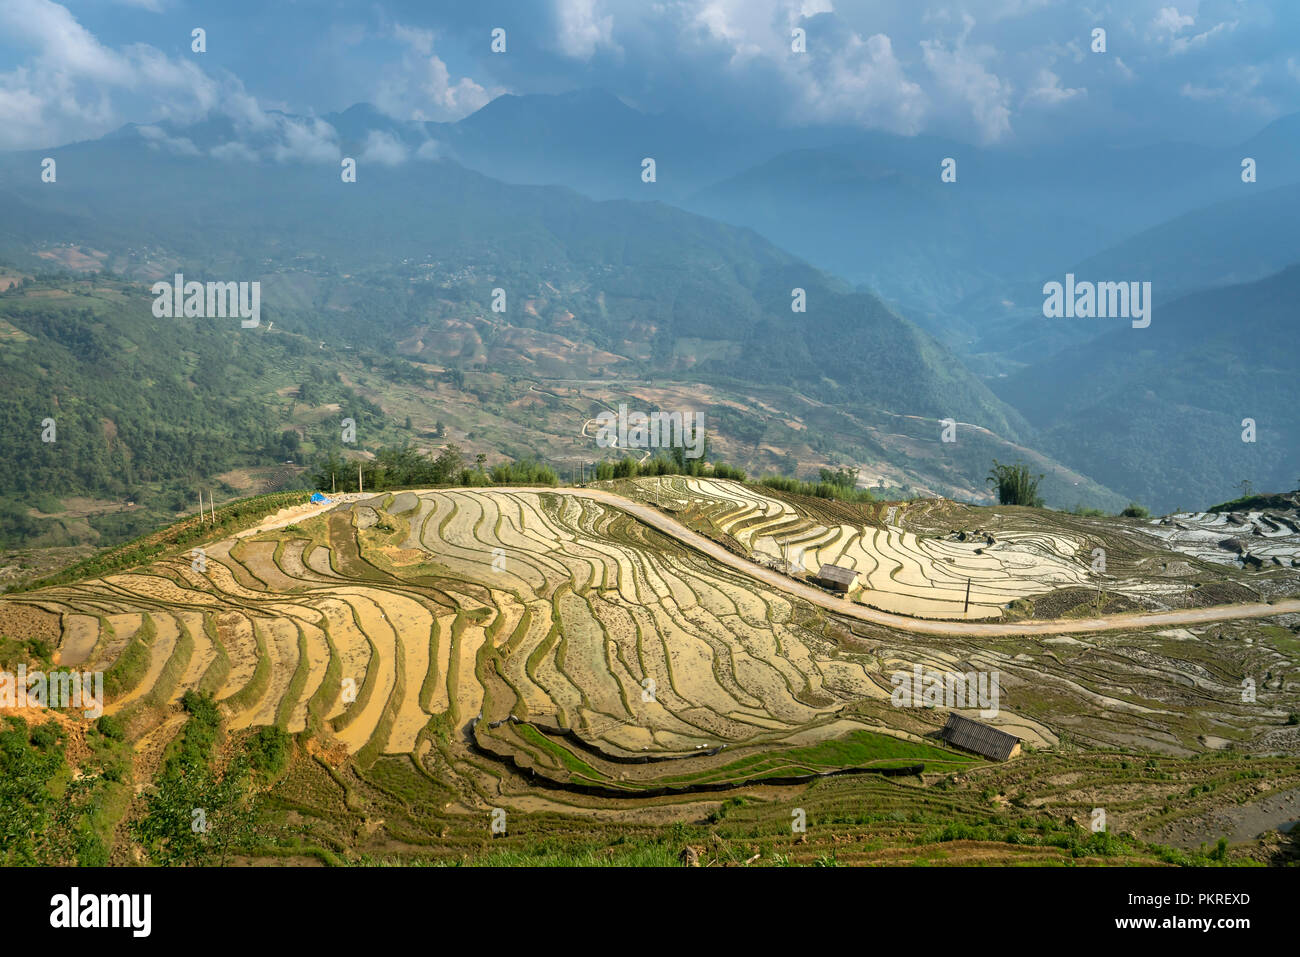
(988, 71)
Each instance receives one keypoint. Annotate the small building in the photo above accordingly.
(979, 738)
(836, 578)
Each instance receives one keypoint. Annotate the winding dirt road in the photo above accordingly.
(1125, 622)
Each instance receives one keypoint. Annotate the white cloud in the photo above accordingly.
(862, 82)
(67, 87)
(234, 151)
(1169, 20)
(309, 140)
(845, 76)
(1194, 92)
(1183, 44)
(158, 139)
(961, 76)
(1047, 90)
(582, 27)
(384, 149)
(420, 87)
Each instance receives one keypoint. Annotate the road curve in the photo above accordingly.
(1157, 619)
(1125, 622)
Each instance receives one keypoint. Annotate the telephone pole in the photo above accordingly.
(359, 489)
(966, 607)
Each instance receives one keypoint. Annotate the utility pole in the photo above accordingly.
(359, 489)
(331, 483)
(966, 607)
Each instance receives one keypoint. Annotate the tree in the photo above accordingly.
(1015, 484)
(842, 477)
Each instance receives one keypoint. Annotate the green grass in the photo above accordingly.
(174, 670)
(284, 712)
(562, 754)
(217, 672)
(858, 749)
(133, 663)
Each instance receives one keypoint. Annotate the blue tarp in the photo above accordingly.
(318, 497)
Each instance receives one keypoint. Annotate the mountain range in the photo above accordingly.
(923, 298)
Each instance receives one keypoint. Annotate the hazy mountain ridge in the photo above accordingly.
(395, 260)
(1160, 410)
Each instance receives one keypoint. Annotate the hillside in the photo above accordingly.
(605, 301)
(1158, 412)
(377, 675)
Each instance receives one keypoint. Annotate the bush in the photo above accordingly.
(1134, 510)
(268, 749)
(110, 727)
(835, 490)
(46, 736)
(1015, 484)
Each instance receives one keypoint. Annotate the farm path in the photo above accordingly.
(1124, 622)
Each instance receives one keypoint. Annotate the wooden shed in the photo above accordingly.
(836, 578)
(979, 738)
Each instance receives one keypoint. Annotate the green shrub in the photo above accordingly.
(110, 727)
(268, 749)
(1015, 484)
(46, 736)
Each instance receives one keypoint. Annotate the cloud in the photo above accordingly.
(1183, 44)
(864, 82)
(1169, 20)
(384, 149)
(234, 151)
(1048, 91)
(309, 140)
(419, 86)
(960, 74)
(68, 86)
(582, 27)
(158, 139)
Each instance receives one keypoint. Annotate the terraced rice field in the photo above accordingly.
(1232, 538)
(898, 570)
(572, 650)
(553, 633)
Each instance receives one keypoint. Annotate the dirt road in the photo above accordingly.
(1159, 619)
(1073, 626)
